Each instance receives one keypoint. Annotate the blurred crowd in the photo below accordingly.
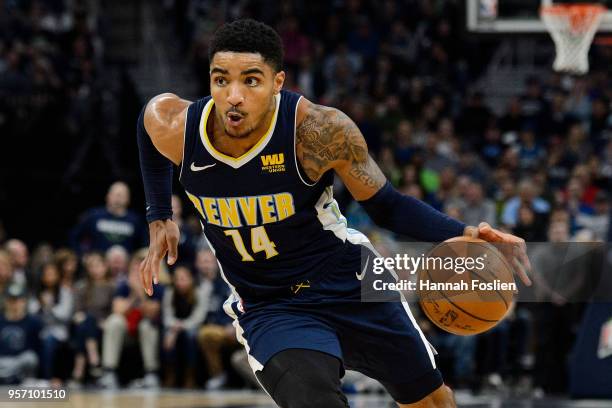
(404, 71)
(79, 315)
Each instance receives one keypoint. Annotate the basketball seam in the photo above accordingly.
(464, 311)
(496, 290)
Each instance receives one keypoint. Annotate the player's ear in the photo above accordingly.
(279, 80)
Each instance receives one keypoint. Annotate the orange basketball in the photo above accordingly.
(466, 286)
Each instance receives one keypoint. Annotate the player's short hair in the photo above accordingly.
(248, 35)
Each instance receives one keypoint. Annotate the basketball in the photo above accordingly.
(466, 286)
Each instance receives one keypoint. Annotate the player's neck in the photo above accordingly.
(237, 146)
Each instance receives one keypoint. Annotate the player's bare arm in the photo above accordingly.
(164, 120)
(162, 124)
(326, 138)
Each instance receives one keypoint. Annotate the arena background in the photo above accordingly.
(466, 119)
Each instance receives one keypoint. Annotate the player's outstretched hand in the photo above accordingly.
(514, 248)
(163, 239)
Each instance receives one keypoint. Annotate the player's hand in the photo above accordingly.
(163, 239)
(513, 248)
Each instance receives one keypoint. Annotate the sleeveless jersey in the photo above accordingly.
(269, 226)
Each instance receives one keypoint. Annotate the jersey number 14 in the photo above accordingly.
(259, 242)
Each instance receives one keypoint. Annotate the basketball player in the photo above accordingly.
(258, 164)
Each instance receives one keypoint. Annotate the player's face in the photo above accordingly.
(243, 86)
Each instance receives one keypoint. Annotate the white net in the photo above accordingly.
(572, 28)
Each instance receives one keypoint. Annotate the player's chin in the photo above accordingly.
(237, 132)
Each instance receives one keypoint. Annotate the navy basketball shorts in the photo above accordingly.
(379, 339)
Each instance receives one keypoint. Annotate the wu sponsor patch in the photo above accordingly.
(273, 163)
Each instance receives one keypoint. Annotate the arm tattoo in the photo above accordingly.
(327, 137)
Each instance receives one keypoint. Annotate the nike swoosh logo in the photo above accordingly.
(200, 168)
(363, 271)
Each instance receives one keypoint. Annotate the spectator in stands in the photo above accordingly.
(579, 150)
(502, 349)
(6, 275)
(578, 101)
(503, 190)
(530, 152)
(573, 201)
(432, 159)
(340, 70)
(475, 207)
(598, 220)
(491, 148)
(54, 304)
(184, 310)
(558, 121)
(531, 226)
(217, 334)
(19, 338)
(93, 299)
(527, 195)
(41, 255)
(534, 107)
(405, 147)
(20, 258)
(471, 165)
(562, 277)
(67, 263)
(584, 174)
(102, 227)
(135, 316)
(117, 259)
(559, 164)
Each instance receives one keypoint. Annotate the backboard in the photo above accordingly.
(518, 16)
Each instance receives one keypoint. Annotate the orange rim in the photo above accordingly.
(580, 16)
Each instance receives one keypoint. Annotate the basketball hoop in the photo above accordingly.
(572, 27)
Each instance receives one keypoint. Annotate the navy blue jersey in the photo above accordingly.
(268, 224)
